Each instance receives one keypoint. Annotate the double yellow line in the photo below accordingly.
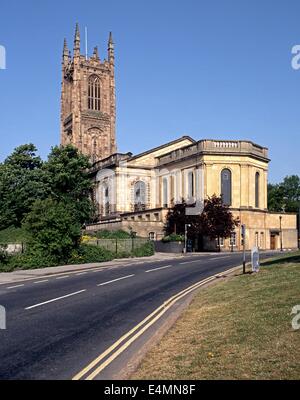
(98, 365)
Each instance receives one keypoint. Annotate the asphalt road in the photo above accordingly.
(58, 325)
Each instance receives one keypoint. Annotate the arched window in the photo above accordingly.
(139, 196)
(165, 192)
(257, 179)
(94, 93)
(226, 189)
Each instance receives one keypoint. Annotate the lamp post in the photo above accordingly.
(280, 221)
(186, 226)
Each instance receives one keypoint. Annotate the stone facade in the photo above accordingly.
(88, 101)
(191, 170)
(135, 192)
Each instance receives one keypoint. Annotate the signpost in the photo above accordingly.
(185, 237)
(255, 259)
(243, 233)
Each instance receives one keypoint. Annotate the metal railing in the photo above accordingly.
(118, 246)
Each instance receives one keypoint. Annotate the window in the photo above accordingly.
(152, 236)
(262, 240)
(106, 200)
(257, 179)
(220, 241)
(256, 239)
(226, 186)
(139, 196)
(233, 239)
(190, 185)
(165, 192)
(94, 93)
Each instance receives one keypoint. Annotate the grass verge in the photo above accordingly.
(237, 329)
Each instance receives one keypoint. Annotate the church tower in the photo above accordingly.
(88, 101)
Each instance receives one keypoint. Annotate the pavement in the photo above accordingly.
(21, 275)
(93, 322)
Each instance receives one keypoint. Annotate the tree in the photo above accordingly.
(177, 219)
(214, 222)
(216, 219)
(67, 176)
(285, 196)
(54, 231)
(21, 184)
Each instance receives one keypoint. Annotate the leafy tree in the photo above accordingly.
(21, 184)
(216, 219)
(285, 196)
(177, 219)
(67, 176)
(214, 222)
(54, 231)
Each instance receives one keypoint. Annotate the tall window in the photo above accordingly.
(226, 189)
(233, 239)
(257, 179)
(139, 196)
(165, 192)
(190, 185)
(106, 207)
(94, 93)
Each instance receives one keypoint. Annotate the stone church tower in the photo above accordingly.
(88, 101)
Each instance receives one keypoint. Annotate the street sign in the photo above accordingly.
(255, 259)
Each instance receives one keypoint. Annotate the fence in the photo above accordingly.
(12, 248)
(119, 245)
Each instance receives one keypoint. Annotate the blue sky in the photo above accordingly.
(209, 69)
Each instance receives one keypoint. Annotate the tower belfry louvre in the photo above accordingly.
(88, 101)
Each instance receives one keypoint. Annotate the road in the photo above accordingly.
(57, 326)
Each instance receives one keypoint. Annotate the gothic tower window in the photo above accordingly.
(257, 179)
(94, 93)
(226, 186)
(139, 196)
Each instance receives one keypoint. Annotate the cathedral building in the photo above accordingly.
(135, 192)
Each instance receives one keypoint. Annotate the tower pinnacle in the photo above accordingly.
(77, 41)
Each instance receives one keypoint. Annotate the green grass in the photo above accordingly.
(237, 329)
(13, 235)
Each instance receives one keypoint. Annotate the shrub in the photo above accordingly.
(145, 250)
(33, 258)
(4, 257)
(173, 238)
(54, 232)
(90, 254)
(105, 234)
(13, 235)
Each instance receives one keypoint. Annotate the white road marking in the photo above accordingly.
(46, 280)
(81, 273)
(115, 280)
(157, 269)
(14, 287)
(218, 258)
(190, 262)
(63, 277)
(56, 299)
